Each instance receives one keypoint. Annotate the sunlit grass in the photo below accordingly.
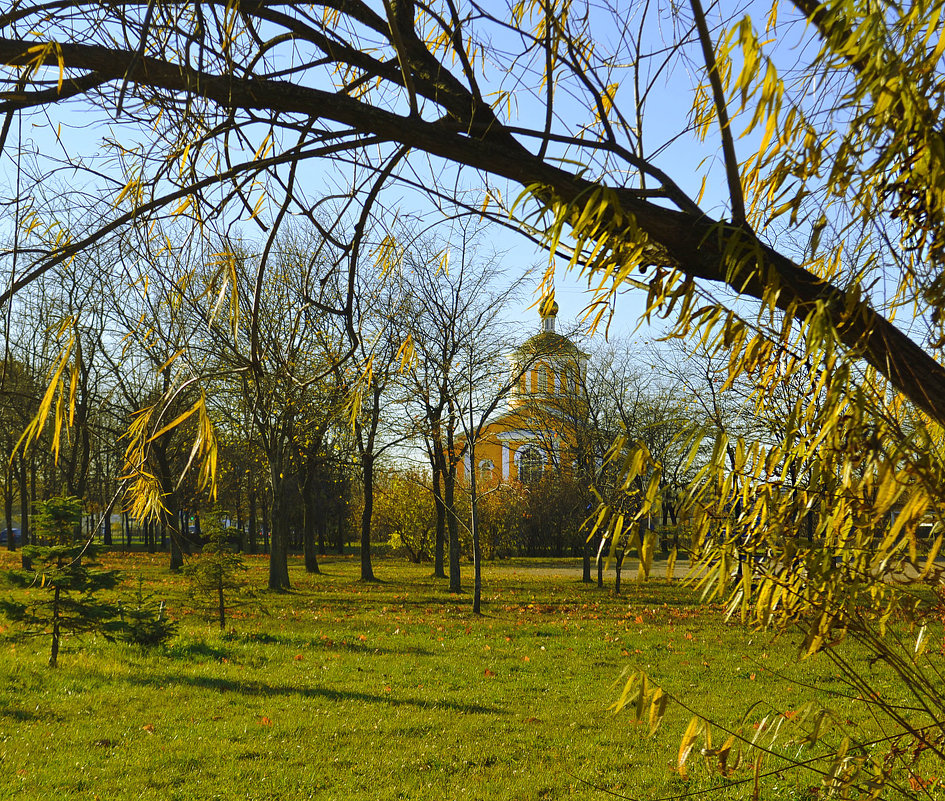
(392, 690)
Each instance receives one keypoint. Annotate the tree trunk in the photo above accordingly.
(239, 519)
(474, 525)
(171, 520)
(54, 649)
(618, 568)
(279, 542)
(340, 528)
(253, 523)
(266, 509)
(8, 507)
(367, 571)
(586, 562)
(221, 608)
(439, 539)
(177, 553)
(25, 496)
(452, 526)
(107, 529)
(309, 526)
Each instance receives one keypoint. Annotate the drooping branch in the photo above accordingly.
(470, 134)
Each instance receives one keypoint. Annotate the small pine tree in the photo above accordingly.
(145, 621)
(62, 586)
(217, 575)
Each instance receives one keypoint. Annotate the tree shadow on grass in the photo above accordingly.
(251, 688)
(18, 714)
(298, 643)
(199, 651)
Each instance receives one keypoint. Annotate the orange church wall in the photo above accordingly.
(556, 382)
(500, 443)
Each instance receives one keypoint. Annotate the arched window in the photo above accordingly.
(486, 466)
(530, 465)
(542, 378)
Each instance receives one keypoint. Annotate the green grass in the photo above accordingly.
(392, 690)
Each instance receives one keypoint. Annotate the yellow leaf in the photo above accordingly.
(688, 741)
(176, 421)
(657, 709)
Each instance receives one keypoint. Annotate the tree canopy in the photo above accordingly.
(819, 123)
(221, 105)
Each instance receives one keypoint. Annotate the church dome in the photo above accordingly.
(547, 341)
(551, 344)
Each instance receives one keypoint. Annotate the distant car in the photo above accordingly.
(17, 537)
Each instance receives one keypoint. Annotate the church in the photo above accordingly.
(537, 430)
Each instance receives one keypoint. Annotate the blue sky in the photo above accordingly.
(668, 114)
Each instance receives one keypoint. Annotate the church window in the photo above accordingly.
(530, 465)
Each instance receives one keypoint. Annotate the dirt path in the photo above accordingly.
(573, 571)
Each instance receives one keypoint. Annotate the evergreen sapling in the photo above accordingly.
(64, 582)
(217, 574)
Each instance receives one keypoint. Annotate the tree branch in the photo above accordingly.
(698, 246)
(725, 129)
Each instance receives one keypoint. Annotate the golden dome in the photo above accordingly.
(548, 306)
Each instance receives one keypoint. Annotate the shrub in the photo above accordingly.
(145, 621)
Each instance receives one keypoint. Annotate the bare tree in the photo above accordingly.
(458, 291)
(233, 113)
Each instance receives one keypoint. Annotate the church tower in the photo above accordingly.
(536, 432)
(549, 366)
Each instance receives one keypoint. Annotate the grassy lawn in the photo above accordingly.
(393, 690)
